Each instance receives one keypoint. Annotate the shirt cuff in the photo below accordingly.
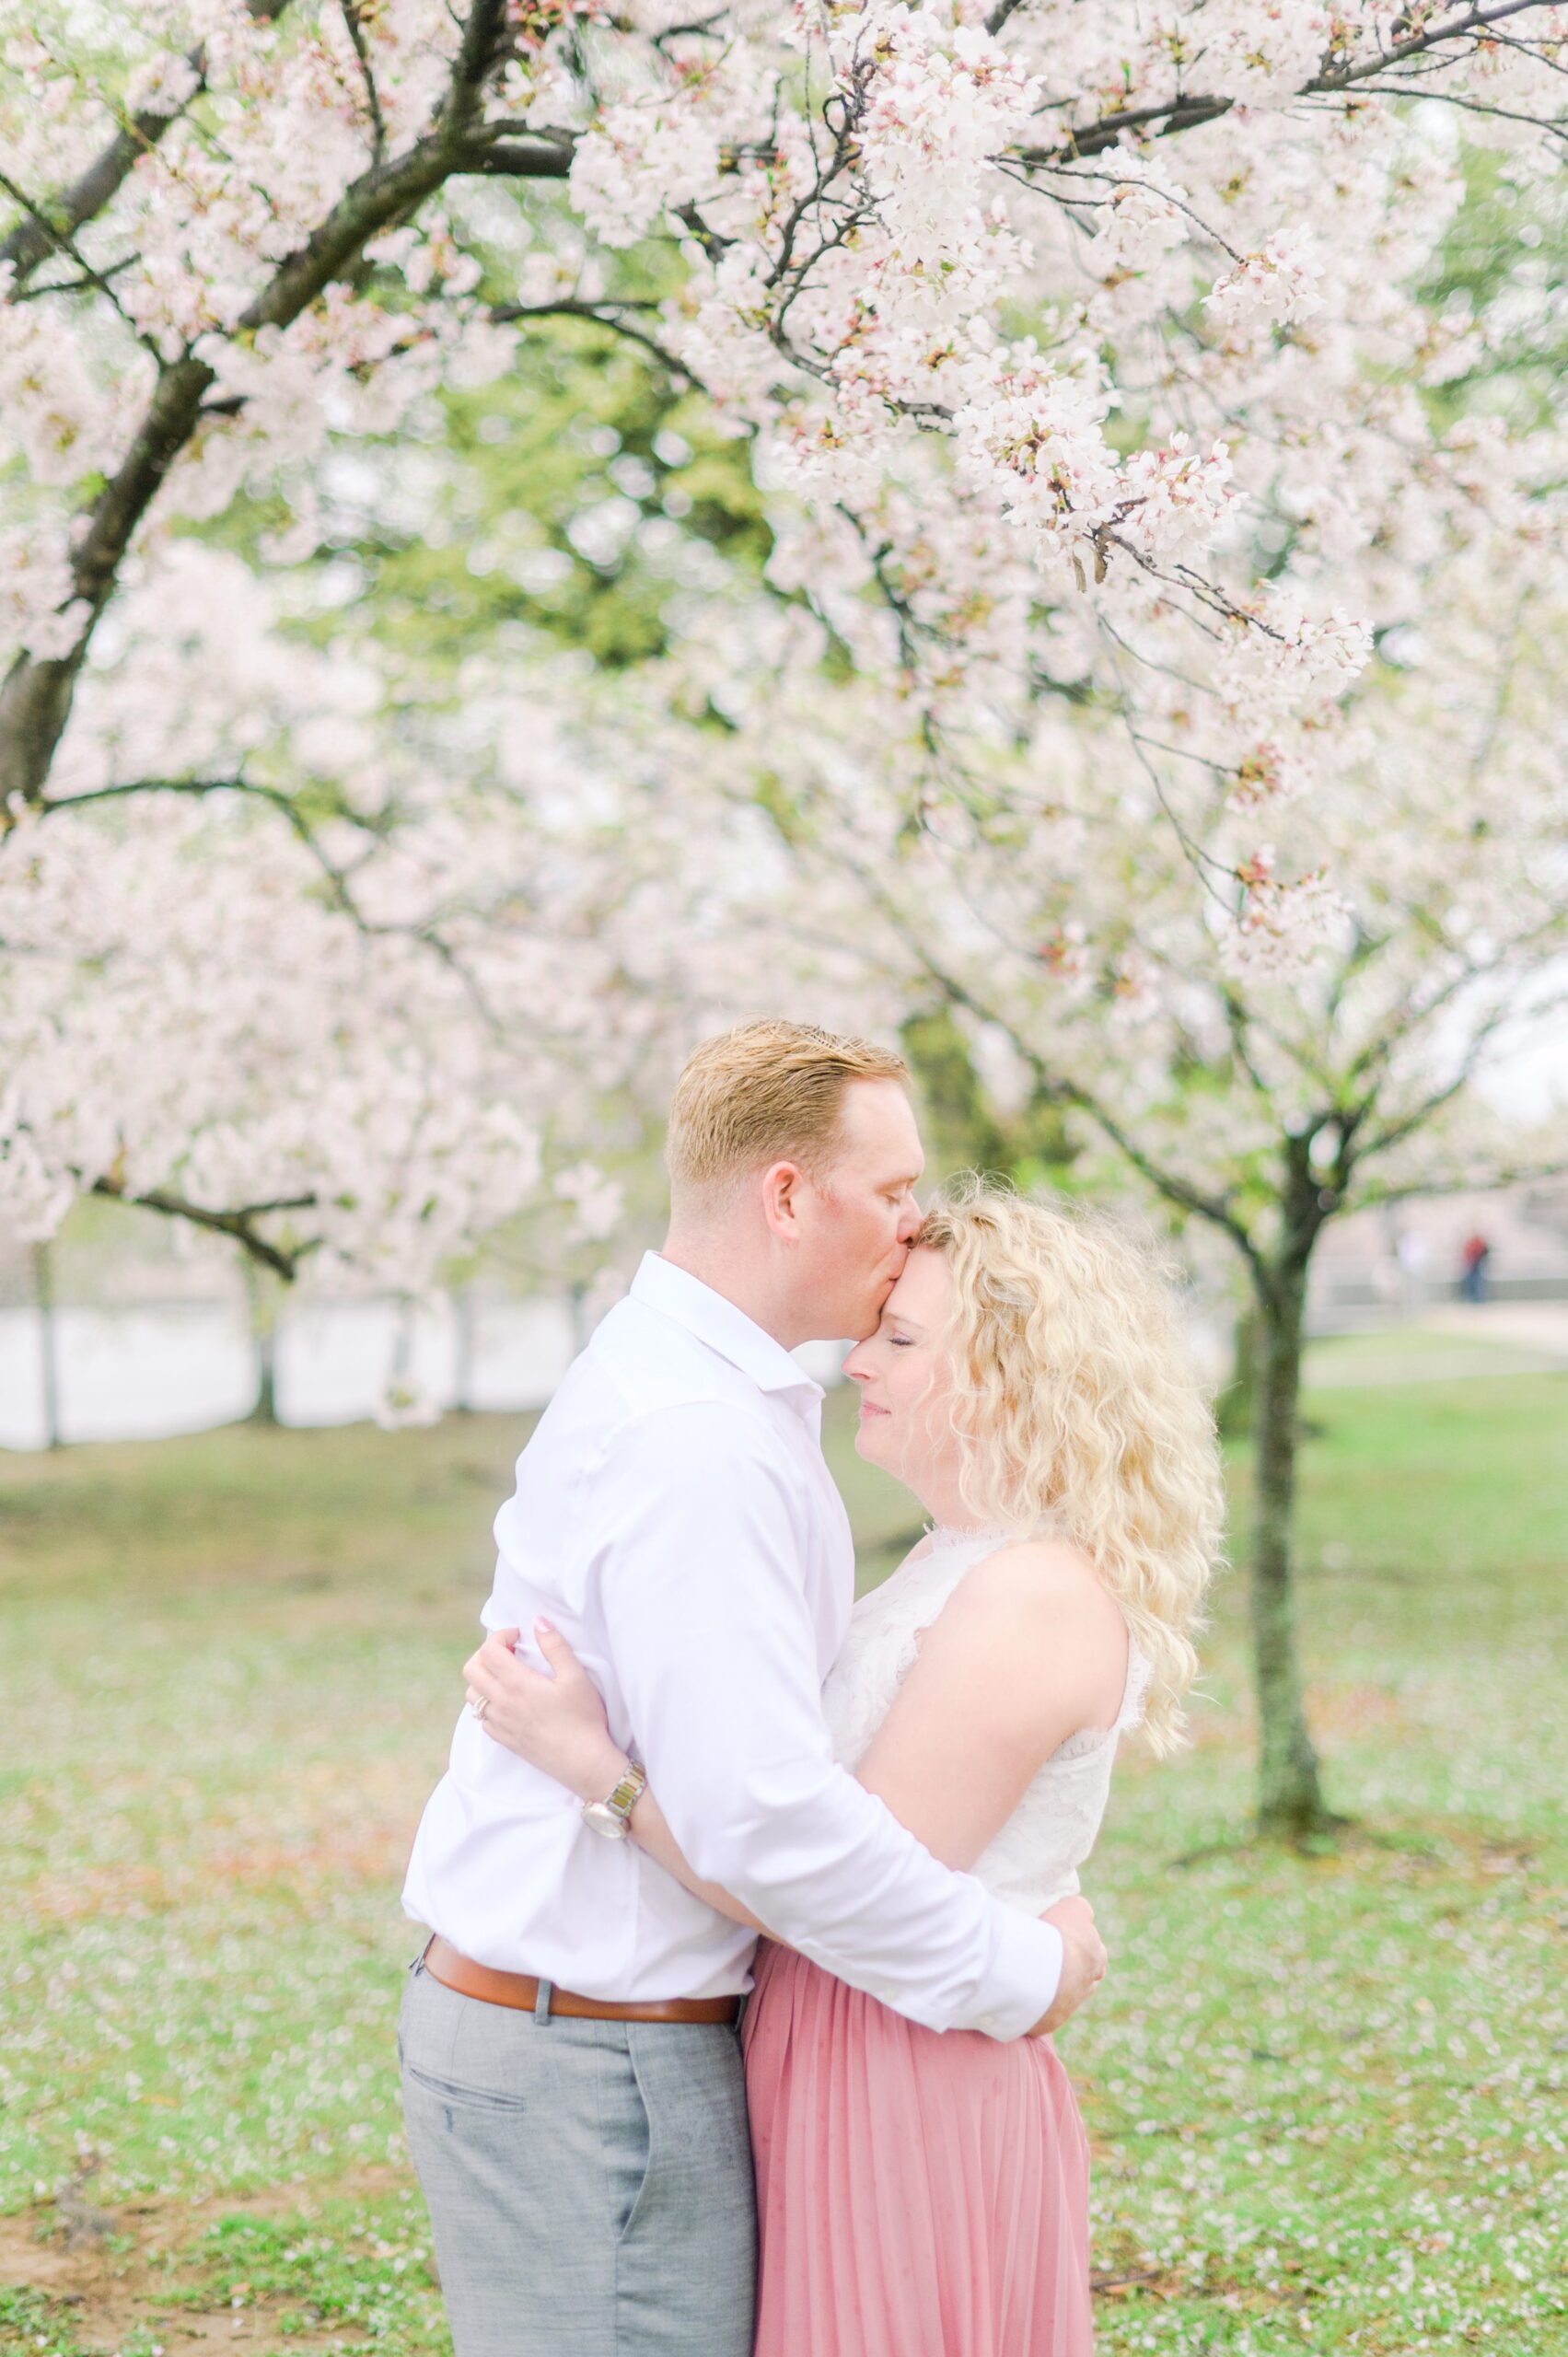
(1025, 1973)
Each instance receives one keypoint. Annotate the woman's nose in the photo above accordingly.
(856, 1374)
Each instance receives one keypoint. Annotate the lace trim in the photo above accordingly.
(929, 1596)
(1140, 1669)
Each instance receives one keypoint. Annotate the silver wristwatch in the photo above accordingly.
(612, 1817)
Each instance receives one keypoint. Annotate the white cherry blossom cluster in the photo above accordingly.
(1037, 444)
(1273, 772)
(1278, 284)
(943, 100)
(140, 1035)
(638, 164)
(1295, 659)
(1278, 925)
(38, 612)
(1139, 224)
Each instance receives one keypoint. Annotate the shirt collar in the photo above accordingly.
(716, 1321)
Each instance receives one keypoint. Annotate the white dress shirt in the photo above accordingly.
(674, 1518)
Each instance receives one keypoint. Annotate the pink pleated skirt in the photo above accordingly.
(918, 2195)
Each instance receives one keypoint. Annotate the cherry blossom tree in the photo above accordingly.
(988, 298)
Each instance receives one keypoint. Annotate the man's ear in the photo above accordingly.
(781, 1182)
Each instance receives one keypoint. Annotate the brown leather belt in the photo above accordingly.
(520, 1991)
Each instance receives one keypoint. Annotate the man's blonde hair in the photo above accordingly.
(765, 1092)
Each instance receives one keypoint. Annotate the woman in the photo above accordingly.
(923, 2195)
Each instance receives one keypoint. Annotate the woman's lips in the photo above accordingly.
(869, 1408)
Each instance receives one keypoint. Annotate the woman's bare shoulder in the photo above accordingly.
(1047, 1585)
(1052, 1635)
(1050, 1571)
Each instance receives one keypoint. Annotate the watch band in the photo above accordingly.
(612, 1817)
(629, 1791)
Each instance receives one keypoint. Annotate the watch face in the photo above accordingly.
(604, 1820)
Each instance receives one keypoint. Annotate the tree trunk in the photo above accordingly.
(1235, 1409)
(1289, 1800)
(48, 1343)
(263, 1337)
(463, 1319)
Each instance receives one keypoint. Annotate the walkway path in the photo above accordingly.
(1458, 1344)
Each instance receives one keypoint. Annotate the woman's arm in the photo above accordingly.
(1028, 1650)
(557, 1724)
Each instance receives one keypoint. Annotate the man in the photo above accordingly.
(571, 2075)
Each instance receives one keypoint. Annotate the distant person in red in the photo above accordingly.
(1474, 1254)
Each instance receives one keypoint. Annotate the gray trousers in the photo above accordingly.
(589, 2183)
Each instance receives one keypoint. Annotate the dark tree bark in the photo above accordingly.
(1236, 1409)
(1291, 1805)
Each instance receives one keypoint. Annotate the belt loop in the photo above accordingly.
(542, 2002)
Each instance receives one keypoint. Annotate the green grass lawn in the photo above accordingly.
(1327, 2094)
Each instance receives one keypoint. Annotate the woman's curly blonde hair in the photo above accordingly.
(1075, 1404)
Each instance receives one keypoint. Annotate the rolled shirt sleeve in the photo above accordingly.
(697, 1555)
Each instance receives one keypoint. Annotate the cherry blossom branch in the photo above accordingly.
(200, 788)
(1503, 1015)
(481, 49)
(1116, 180)
(1237, 1018)
(1419, 1010)
(93, 190)
(36, 698)
(356, 31)
(490, 152)
(60, 242)
(601, 315)
(1548, 129)
(240, 1225)
(95, 281)
(1200, 860)
(1377, 1193)
(699, 29)
(1185, 113)
(1057, 1087)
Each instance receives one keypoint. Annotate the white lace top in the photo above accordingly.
(1034, 1860)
